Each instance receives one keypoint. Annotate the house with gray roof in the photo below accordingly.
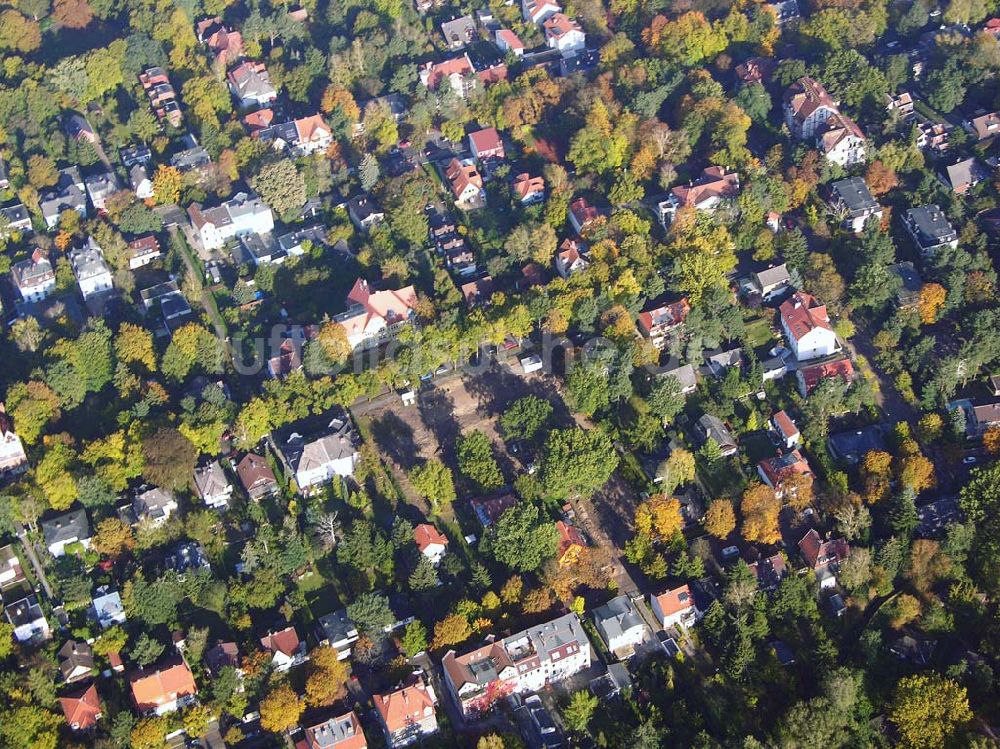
(315, 460)
(686, 376)
(35, 277)
(28, 620)
(930, 229)
(713, 428)
(62, 530)
(459, 32)
(107, 607)
(851, 446)
(851, 198)
(244, 213)
(964, 175)
(213, 485)
(771, 281)
(153, 505)
(100, 187)
(250, 84)
(338, 632)
(15, 218)
(620, 626)
(92, 273)
(68, 195)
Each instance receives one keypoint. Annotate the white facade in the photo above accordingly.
(35, 279)
(848, 151)
(674, 616)
(243, 214)
(815, 344)
(92, 274)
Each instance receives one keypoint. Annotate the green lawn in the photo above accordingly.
(724, 479)
(759, 332)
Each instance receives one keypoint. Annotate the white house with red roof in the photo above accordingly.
(458, 72)
(841, 141)
(538, 11)
(466, 183)
(486, 144)
(82, 709)
(582, 214)
(430, 542)
(507, 41)
(408, 713)
(675, 608)
(286, 649)
(777, 470)
(786, 430)
(703, 194)
(823, 557)
(564, 34)
(529, 190)
(807, 327)
(570, 259)
(659, 323)
(374, 317)
(810, 377)
(807, 105)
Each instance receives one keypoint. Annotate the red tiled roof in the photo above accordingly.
(486, 140)
(784, 422)
(152, 689)
(814, 375)
(285, 641)
(569, 536)
(779, 468)
(805, 96)
(82, 709)
(525, 185)
(426, 534)
(259, 120)
(404, 707)
(676, 600)
(819, 553)
(714, 182)
(803, 313)
(664, 316)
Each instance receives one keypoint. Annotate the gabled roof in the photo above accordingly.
(782, 467)
(153, 687)
(813, 375)
(487, 139)
(569, 537)
(714, 182)
(221, 655)
(285, 641)
(405, 706)
(525, 185)
(805, 96)
(425, 534)
(211, 479)
(665, 315)
(785, 425)
(802, 314)
(676, 600)
(341, 732)
(819, 553)
(460, 176)
(82, 709)
(559, 25)
(66, 527)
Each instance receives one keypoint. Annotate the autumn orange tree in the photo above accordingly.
(451, 630)
(880, 178)
(759, 508)
(281, 709)
(913, 470)
(113, 538)
(659, 517)
(720, 519)
(797, 490)
(876, 471)
(932, 299)
(327, 677)
(991, 440)
(928, 709)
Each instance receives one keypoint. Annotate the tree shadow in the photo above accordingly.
(395, 438)
(437, 412)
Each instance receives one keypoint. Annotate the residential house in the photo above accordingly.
(287, 650)
(807, 327)
(771, 282)
(823, 557)
(212, 485)
(486, 145)
(82, 709)
(489, 510)
(25, 615)
(930, 229)
(76, 661)
(755, 70)
(341, 732)
(256, 476)
(133, 155)
(13, 459)
(466, 184)
(222, 655)
(408, 713)
(964, 175)
(15, 218)
(162, 97)
(154, 505)
(777, 471)
(769, 571)
(507, 41)
(374, 317)
(107, 607)
(93, 275)
(686, 377)
(143, 251)
(933, 136)
(11, 572)
(704, 194)
(458, 72)
(364, 212)
(712, 428)
(983, 127)
(287, 360)
(303, 136)
(675, 608)
(244, 213)
(458, 32)
(166, 297)
(186, 557)
(807, 106)
(620, 626)
(99, 188)
(663, 323)
(477, 293)
(68, 195)
(529, 190)
(431, 543)
(850, 197)
(571, 544)
(163, 688)
(984, 417)
(338, 632)
(63, 530)
(582, 215)
(524, 662)
(811, 376)
(539, 11)
(570, 259)
(853, 445)
(902, 105)
(784, 11)
(841, 141)
(788, 434)
(139, 181)
(315, 461)
(35, 278)
(717, 363)
(226, 45)
(250, 84)
(564, 34)
(910, 284)
(192, 157)
(4, 177)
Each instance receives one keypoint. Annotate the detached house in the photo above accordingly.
(341, 732)
(374, 317)
(244, 213)
(675, 608)
(303, 136)
(620, 626)
(983, 127)
(250, 84)
(771, 282)
(162, 689)
(486, 145)
(212, 485)
(662, 323)
(99, 188)
(139, 181)
(364, 212)
(704, 194)
(13, 459)
(337, 631)
(776, 471)
(964, 175)
(76, 661)
(154, 505)
(317, 460)
(93, 275)
(539, 11)
(810, 112)
(107, 607)
(225, 45)
(712, 428)
(564, 34)
(529, 190)
(82, 708)
(810, 377)
(66, 529)
(525, 662)
(143, 251)
(823, 557)
(256, 476)
(769, 571)
(457, 72)
(286, 649)
(69, 195)
(807, 327)
(11, 572)
(466, 184)
(507, 41)
(788, 434)
(571, 544)
(35, 278)
(25, 615)
(431, 543)
(842, 142)
(570, 259)
(930, 229)
(582, 215)
(408, 713)
(851, 198)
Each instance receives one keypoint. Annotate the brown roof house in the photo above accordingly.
(286, 649)
(704, 194)
(570, 259)
(82, 709)
(823, 557)
(162, 689)
(529, 190)
(779, 470)
(663, 322)
(256, 476)
(408, 713)
(466, 184)
(807, 327)
(76, 661)
(430, 542)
